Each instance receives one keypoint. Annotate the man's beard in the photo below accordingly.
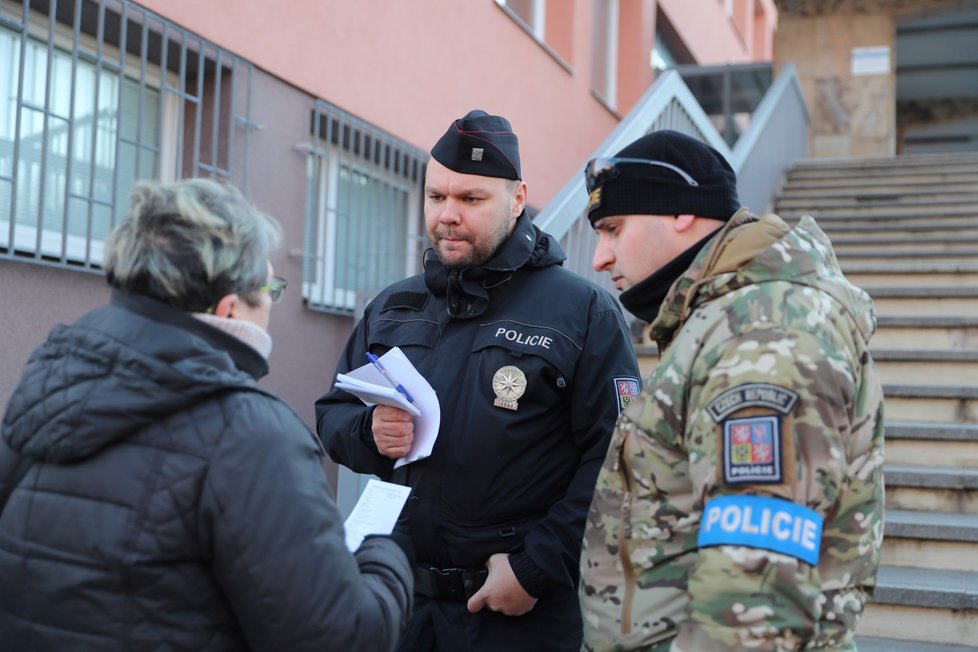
(479, 252)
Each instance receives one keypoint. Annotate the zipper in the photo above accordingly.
(624, 534)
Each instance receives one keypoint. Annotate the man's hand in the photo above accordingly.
(502, 592)
(393, 431)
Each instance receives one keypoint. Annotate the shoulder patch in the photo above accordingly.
(627, 389)
(751, 450)
(409, 300)
(762, 522)
(751, 395)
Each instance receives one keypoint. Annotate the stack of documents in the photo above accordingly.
(370, 386)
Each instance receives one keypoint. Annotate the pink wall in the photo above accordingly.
(412, 67)
(710, 35)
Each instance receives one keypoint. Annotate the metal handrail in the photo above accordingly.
(775, 138)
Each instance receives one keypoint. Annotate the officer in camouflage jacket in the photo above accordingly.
(740, 505)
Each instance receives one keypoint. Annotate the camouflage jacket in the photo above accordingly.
(756, 444)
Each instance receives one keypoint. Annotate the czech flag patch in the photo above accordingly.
(751, 451)
(627, 390)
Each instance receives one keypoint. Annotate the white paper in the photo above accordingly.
(372, 388)
(376, 511)
(372, 394)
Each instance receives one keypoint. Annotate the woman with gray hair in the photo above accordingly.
(152, 495)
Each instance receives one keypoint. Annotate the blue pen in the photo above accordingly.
(380, 367)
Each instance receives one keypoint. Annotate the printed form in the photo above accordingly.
(376, 511)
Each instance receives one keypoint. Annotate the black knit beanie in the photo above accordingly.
(695, 180)
(482, 144)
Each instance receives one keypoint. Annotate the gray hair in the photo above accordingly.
(190, 243)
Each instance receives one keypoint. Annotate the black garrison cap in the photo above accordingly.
(480, 144)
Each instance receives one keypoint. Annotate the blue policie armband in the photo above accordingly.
(762, 522)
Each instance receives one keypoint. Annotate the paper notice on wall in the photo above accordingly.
(871, 61)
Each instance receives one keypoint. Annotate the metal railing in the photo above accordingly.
(775, 138)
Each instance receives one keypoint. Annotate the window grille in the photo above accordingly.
(94, 95)
(364, 228)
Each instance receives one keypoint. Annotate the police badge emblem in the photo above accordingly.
(509, 383)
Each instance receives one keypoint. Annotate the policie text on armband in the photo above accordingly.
(762, 522)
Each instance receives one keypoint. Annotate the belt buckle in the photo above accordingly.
(452, 583)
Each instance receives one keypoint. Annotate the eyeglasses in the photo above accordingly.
(599, 170)
(275, 288)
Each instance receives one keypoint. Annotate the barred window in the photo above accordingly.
(364, 228)
(94, 96)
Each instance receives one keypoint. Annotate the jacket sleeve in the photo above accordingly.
(552, 548)
(277, 541)
(344, 423)
(761, 593)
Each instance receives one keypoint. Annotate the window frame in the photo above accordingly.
(607, 60)
(321, 289)
(111, 44)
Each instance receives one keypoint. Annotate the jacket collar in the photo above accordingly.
(243, 356)
(467, 289)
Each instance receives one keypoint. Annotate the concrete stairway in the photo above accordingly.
(906, 230)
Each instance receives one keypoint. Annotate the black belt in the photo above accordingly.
(448, 583)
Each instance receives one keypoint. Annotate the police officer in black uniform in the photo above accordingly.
(532, 365)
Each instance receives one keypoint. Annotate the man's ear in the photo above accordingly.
(519, 199)
(225, 307)
(683, 223)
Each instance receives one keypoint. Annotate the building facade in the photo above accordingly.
(884, 77)
(322, 112)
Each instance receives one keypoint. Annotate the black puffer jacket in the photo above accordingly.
(499, 479)
(172, 504)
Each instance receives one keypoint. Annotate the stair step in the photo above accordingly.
(925, 587)
(923, 488)
(918, 255)
(936, 540)
(873, 644)
(952, 227)
(944, 211)
(903, 248)
(939, 403)
(938, 366)
(961, 300)
(922, 604)
(648, 358)
(918, 626)
(931, 431)
(896, 198)
(869, 170)
(932, 273)
(925, 332)
(924, 184)
(932, 445)
(939, 526)
(879, 176)
(928, 161)
(889, 238)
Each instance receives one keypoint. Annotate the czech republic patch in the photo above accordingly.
(626, 389)
(751, 451)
